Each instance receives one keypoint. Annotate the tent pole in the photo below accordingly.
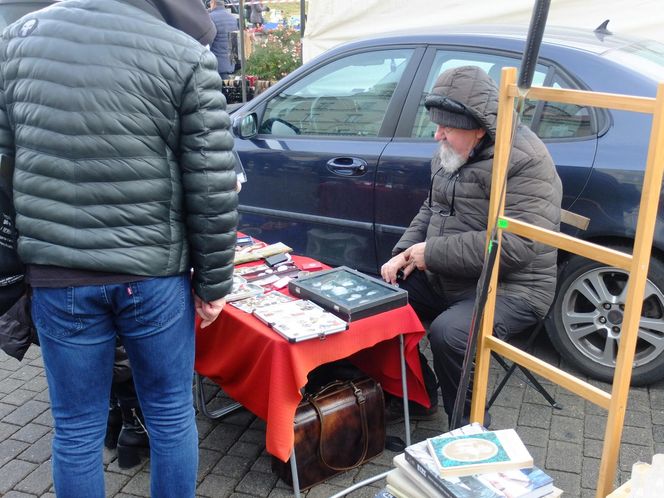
(243, 81)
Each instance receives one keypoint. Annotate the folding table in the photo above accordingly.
(264, 373)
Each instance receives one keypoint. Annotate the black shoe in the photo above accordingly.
(394, 411)
(113, 426)
(133, 442)
(394, 443)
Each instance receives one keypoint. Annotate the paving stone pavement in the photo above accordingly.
(566, 443)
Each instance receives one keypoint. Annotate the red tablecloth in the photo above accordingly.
(261, 370)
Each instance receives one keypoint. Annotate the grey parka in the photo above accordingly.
(455, 244)
(122, 146)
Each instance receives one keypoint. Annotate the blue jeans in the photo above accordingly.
(77, 327)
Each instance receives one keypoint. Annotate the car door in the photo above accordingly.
(311, 168)
(402, 180)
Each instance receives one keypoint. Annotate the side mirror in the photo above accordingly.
(246, 126)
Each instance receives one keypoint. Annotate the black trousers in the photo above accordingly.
(450, 328)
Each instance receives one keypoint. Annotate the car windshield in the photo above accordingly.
(645, 57)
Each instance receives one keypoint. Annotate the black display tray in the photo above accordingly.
(348, 293)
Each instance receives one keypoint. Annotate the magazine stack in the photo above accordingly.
(468, 462)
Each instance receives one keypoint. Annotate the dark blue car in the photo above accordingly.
(337, 155)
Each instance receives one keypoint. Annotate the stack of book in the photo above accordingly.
(469, 462)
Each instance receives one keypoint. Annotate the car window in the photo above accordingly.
(348, 96)
(547, 119)
(558, 120)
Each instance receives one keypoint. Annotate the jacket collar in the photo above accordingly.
(188, 16)
(147, 6)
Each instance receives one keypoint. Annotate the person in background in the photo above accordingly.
(123, 182)
(256, 16)
(125, 428)
(225, 23)
(441, 254)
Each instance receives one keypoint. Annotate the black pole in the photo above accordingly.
(533, 43)
(302, 21)
(243, 62)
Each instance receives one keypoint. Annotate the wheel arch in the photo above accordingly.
(643, 374)
(608, 240)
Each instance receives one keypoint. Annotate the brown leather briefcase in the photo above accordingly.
(352, 431)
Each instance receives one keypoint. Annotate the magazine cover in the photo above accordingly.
(489, 451)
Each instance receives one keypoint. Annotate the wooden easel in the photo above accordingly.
(636, 264)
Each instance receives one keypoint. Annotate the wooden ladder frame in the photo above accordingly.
(636, 264)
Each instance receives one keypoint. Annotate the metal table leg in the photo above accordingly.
(404, 388)
(293, 469)
(201, 405)
(406, 417)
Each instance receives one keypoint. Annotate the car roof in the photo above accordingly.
(640, 56)
(576, 38)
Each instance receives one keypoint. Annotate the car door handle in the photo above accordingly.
(347, 166)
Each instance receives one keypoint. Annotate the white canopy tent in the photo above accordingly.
(331, 22)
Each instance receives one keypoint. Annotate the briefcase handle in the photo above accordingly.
(361, 401)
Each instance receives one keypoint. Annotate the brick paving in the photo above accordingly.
(566, 443)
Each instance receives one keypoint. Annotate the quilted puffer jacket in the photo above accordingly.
(455, 225)
(122, 147)
(221, 46)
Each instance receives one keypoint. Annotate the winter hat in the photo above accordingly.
(446, 111)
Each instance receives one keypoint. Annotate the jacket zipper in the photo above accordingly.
(452, 180)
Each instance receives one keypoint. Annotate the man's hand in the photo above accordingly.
(389, 270)
(208, 311)
(415, 256)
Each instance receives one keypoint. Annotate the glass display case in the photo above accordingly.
(348, 293)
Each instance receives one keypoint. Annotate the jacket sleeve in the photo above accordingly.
(208, 179)
(6, 134)
(463, 254)
(416, 232)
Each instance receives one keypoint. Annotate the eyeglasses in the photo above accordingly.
(445, 103)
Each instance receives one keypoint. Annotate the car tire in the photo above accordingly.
(585, 322)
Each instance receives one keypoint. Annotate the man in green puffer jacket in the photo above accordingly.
(123, 182)
(442, 252)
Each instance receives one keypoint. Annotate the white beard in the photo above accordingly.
(450, 160)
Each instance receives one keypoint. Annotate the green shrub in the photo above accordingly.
(275, 54)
